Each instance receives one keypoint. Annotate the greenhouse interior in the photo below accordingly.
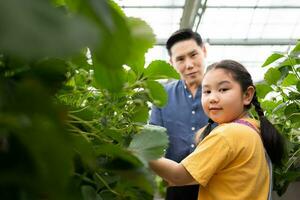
(103, 100)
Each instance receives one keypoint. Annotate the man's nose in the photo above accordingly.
(189, 63)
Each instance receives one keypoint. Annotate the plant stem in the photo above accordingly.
(106, 185)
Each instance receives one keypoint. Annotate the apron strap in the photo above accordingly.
(240, 121)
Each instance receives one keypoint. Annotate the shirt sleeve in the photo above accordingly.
(156, 117)
(210, 156)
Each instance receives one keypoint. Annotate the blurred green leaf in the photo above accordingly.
(97, 11)
(149, 144)
(281, 106)
(89, 193)
(113, 51)
(269, 105)
(33, 29)
(272, 76)
(157, 93)
(80, 60)
(138, 178)
(140, 114)
(120, 158)
(262, 89)
(160, 69)
(84, 148)
(142, 39)
(109, 78)
(51, 72)
(38, 126)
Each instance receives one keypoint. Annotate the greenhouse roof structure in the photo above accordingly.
(246, 31)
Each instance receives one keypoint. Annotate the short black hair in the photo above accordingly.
(183, 34)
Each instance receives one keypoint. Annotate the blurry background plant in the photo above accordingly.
(280, 97)
(74, 95)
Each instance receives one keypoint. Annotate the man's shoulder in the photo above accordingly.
(172, 85)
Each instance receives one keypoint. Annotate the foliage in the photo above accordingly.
(74, 101)
(280, 97)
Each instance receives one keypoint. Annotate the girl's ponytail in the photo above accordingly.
(207, 129)
(272, 140)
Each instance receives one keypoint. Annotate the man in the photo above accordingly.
(183, 115)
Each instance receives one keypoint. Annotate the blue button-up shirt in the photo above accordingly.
(183, 116)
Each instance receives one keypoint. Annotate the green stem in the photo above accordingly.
(293, 68)
(292, 162)
(106, 185)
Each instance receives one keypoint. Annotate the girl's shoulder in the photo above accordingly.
(237, 128)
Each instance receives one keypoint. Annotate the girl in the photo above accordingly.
(231, 161)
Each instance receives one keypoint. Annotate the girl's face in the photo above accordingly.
(222, 97)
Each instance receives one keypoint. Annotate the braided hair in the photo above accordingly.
(271, 138)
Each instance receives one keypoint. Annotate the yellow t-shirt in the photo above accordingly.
(230, 164)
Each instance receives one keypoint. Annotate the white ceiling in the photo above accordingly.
(245, 30)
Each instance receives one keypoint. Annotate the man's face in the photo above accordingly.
(188, 59)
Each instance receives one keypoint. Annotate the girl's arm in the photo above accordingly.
(171, 171)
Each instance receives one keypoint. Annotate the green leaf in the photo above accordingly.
(35, 29)
(160, 69)
(296, 48)
(149, 144)
(294, 95)
(109, 78)
(80, 60)
(262, 89)
(157, 93)
(284, 70)
(280, 106)
(39, 140)
(272, 58)
(268, 105)
(85, 150)
(295, 117)
(291, 109)
(121, 158)
(291, 79)
(140, 114)
(89, 193)
(113, 51)
(298, 85)
(131, 76)
(142, 39)
(97, 11)
(138, 178)
(272, 76)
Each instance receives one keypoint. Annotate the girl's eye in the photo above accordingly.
(223, 89)
(206, 91)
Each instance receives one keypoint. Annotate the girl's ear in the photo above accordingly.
(248, 95)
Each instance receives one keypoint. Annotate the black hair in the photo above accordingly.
(272, 140)
(181, 35)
